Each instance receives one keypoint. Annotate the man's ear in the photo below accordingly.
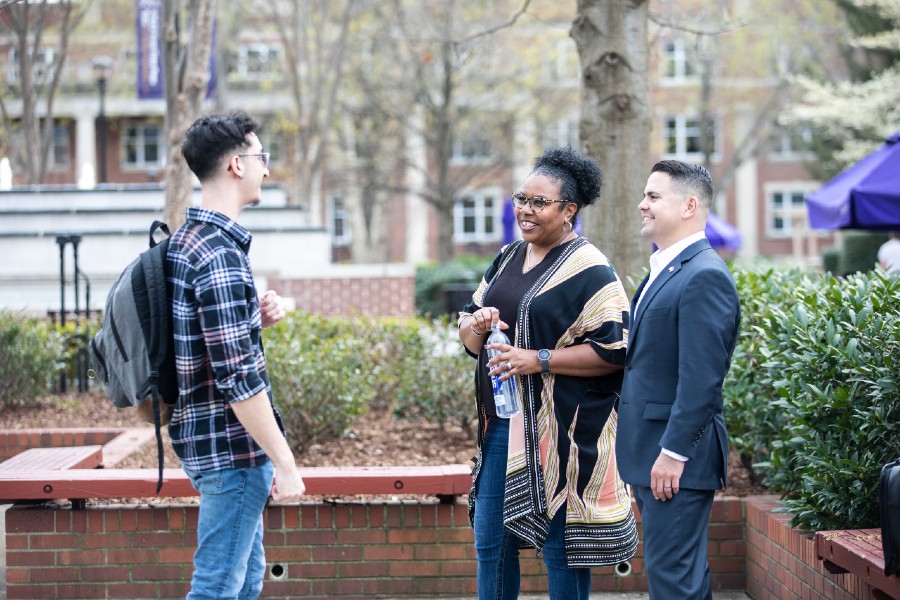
(236, 166)
(691, 207)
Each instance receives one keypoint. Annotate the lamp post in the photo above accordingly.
(102, 69)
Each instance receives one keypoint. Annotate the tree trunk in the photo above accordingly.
(611, 38)
(187, 74)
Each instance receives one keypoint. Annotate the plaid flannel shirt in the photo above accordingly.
(218, 342)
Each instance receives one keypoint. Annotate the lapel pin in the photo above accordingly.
(671, 269)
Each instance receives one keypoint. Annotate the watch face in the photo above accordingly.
(544, 354)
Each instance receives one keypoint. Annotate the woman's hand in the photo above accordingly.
(474, 328)
(513, 361)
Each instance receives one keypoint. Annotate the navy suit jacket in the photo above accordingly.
(679, 349)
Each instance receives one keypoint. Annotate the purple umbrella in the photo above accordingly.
(866, 195)
(722, 234)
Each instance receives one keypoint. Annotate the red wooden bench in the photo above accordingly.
(54, 459)
(858, 551)
(444, 481)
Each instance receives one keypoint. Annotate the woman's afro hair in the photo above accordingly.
(580, 176)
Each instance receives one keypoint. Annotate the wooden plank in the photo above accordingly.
(44, 459)
(857, 551)
(444, 480)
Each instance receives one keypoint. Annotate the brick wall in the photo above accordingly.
(350, 551)
(14, 441)
(382, 290)
(782, 563)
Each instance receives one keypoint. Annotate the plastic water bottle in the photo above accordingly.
(505, 397)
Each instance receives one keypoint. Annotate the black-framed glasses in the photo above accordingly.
(538, 203)
(263, 156)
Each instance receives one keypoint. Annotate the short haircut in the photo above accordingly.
(214, 136)
(688, 178)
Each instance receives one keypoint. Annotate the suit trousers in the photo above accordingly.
(676, 536)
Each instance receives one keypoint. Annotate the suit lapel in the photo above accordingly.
(668, 273)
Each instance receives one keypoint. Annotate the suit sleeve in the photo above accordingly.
(708, 315)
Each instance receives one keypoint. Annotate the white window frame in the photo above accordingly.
(781, 147)
(478, 157)
(562, 132)
(481, 213)
(562, 66)
(788, 190)
(684, 127)
(270, 68)
(59, 156)
(141, 163)
(674, 52)
(339, 213)
(41, 68)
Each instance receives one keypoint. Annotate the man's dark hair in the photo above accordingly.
(580, 176)
(688, 178)
(212, 137)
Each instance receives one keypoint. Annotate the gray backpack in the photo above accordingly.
(133, 353)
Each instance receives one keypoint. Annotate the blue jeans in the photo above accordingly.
(230, 561)
(497, 549)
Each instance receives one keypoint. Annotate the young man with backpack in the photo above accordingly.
(225, 428)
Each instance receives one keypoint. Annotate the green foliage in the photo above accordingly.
(31, 358)
(831, 349)
(432, 279)
(831, 260)
(321, 373)
(752, 420)
(441, 389)
(860, 251)
(327, 371)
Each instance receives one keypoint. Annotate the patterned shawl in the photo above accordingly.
(561, 447)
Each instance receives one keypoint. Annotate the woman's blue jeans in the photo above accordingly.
(230, 561)
(497, 549)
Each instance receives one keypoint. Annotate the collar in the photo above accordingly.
(661, 258)
(235, 230)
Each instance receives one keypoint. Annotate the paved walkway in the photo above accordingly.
(603, 596)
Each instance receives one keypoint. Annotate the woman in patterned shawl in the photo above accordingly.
(547, 477)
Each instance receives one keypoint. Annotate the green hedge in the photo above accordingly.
(431, 279)
(327, 371)
(32, 355)
(813, 390)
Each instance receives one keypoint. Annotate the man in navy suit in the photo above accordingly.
(671, 446)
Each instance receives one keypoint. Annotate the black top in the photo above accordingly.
(505, 294)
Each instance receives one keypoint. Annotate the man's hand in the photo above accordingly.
(665, 477)
(271, 308)
(288, 485)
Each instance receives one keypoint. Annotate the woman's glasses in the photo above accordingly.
(538, 203)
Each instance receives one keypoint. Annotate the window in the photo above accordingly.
(471, 148)
(257, 61)
(790, 143)
(784, 206)
(142, 146)
(681, 137)
(476, 216)
(60, 147)
(561, 132)
(676, 61)
(41, 67)
(562, 64)
(340, 222)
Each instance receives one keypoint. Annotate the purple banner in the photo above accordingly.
(150, 64)
(150, 79)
